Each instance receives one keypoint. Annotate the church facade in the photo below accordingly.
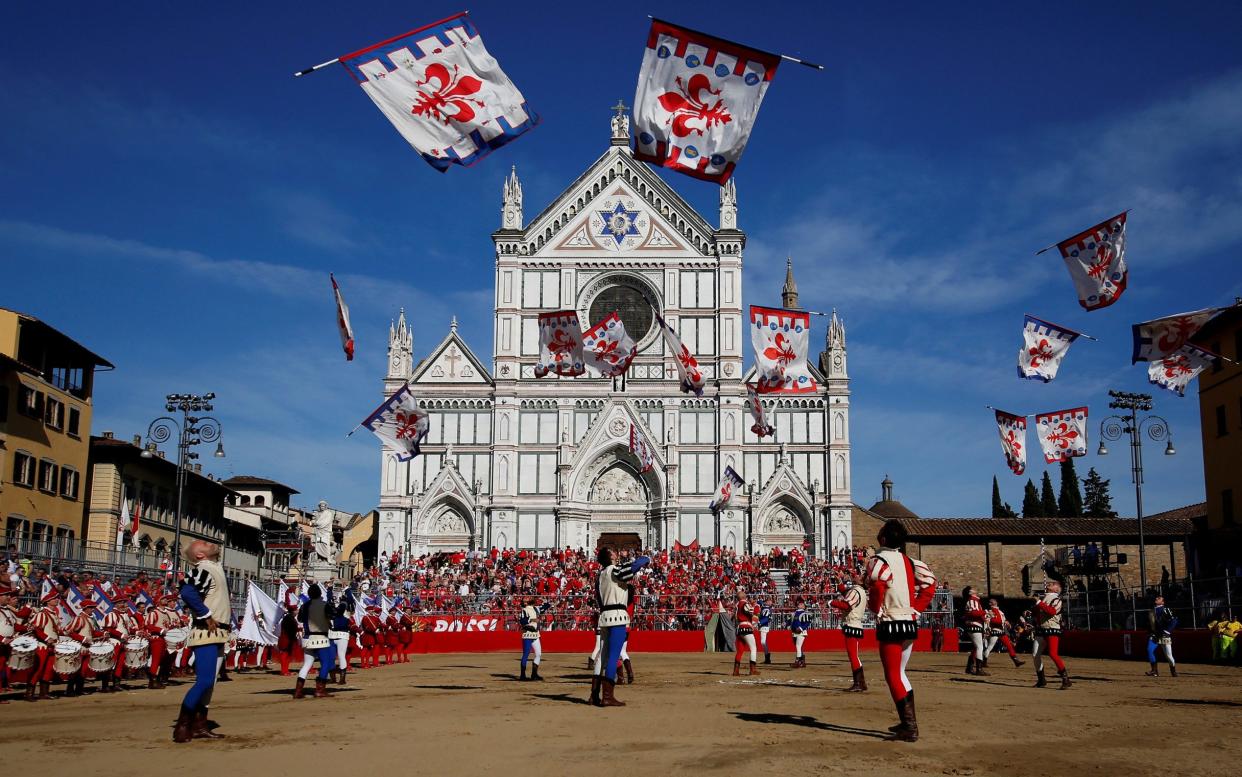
(523, 462)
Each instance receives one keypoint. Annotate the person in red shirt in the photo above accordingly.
(975, 619)
(746, 613)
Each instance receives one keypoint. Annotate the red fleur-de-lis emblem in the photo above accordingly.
(1041, 353)
(407, 426)
(781, 350)
(447, 99)
(1061, 436)
(1103, 258)
(1012, 441)
(1178, 332)
(606, 350)
(726, 491)
(691, 106)
(561, 345)
(1176, 367)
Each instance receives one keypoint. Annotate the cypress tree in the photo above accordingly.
(1069, 503)
(1031, 507)
(1047, 498)
(1097, 503)
(1000, 509)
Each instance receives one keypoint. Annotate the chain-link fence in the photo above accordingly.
(1194, 602)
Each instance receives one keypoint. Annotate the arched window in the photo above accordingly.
(259, 501)
(245, 500)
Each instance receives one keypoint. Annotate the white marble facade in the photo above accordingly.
(516, 461)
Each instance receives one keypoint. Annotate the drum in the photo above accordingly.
(24, 651)
(315, 642)
(137, 653)
(175, 639)
(101, 656)
(68, 657)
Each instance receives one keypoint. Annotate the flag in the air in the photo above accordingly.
(560, 344)
(122, 522)
(136, 518)
(74, 599)
(1161, 337)
(342, 320)
(103, 604)
(680, 546)
(687, 366)
(608, 348)
(729, 482)
(443, 92)
(781, 339)
(641, 449)
(697, 100)
(1062, 434)
(1013, 440)
(400, 423)
(1044, 345)
(761, 427)
(1175, 371)
(1096, 260)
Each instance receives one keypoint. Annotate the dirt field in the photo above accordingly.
(465, 714)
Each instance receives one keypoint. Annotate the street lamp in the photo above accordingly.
(751, 495)
(1155, 427)
(192, 430)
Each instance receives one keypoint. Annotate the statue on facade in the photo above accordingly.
(322, 536)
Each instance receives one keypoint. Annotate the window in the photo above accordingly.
(259, 501)
(697, 526)
(1219, 364)
(54, 414)
(537, 427)
(698, 426)
(1222, 421)
(47, 476)
(69, 483)
(68, 379)
(1226, 506)
(476, 466)
(654, 419)
(468, 428)
(541, 289)
(75, 421)
(697, 473)
(698, 289)
(583, 418)
(698, 335)
(537, 473)
(4, 404)
(23, 469)
(1237, 345)
(30, 402)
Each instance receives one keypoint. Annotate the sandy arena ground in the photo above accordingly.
(466, 714)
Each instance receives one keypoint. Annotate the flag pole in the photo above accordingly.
(1054, 245)
(1067, 329)
(1006, 412)
(803, 62)
(320, 66)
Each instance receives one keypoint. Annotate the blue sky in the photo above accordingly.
(174, 199)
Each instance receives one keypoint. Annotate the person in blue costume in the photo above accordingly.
(611, 596)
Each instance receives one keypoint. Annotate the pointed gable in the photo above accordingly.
(452, 361)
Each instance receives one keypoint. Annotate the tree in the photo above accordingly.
(1000, 509)
(1030, 502)
(1069, 503)
(1096, 501)
(1047, 498)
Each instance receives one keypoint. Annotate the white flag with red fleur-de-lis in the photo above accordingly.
(608, 348)
(1044, 345)
(443, 92)
(400, 423)
(1162, 337)
(761, 427)
(1013, 440)
(781, 339)
(1062, 434)
(697, 100)
(729, 483)
(1175, 371)
(641, 449)
(560, 344)
(687, 366)
(1096, 259)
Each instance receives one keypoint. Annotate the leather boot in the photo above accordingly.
(1065, 681)
(753, 670)
(985, 662)
(29, 694)
(1155, 670)
(45, 688)
(737, 668)
(299, 690)
(333, 678)
(981, 668)
(321, 690)
(534, 673)
(609, 700)
(910, 731)
(590, 663)
(859, 685)
(182, 731)
(767, 658)
(344, 673)
(201, 727)
(594, 700)
(629, 672)
(151, 685)
(1041, 681)
(1173, 670)
(522, 677)
(970, 663)
(1017, 661)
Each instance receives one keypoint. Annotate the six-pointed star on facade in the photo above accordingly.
(619, 223)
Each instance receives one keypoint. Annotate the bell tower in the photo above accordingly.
(511, 202)
(400, 349)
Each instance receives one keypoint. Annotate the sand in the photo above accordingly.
(467, 714)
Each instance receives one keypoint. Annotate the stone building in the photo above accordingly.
(518, 461)
(1220, 423)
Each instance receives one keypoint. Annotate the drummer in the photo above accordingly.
(82, 629)
(44, 626)
(159, 619)
(12, 622)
